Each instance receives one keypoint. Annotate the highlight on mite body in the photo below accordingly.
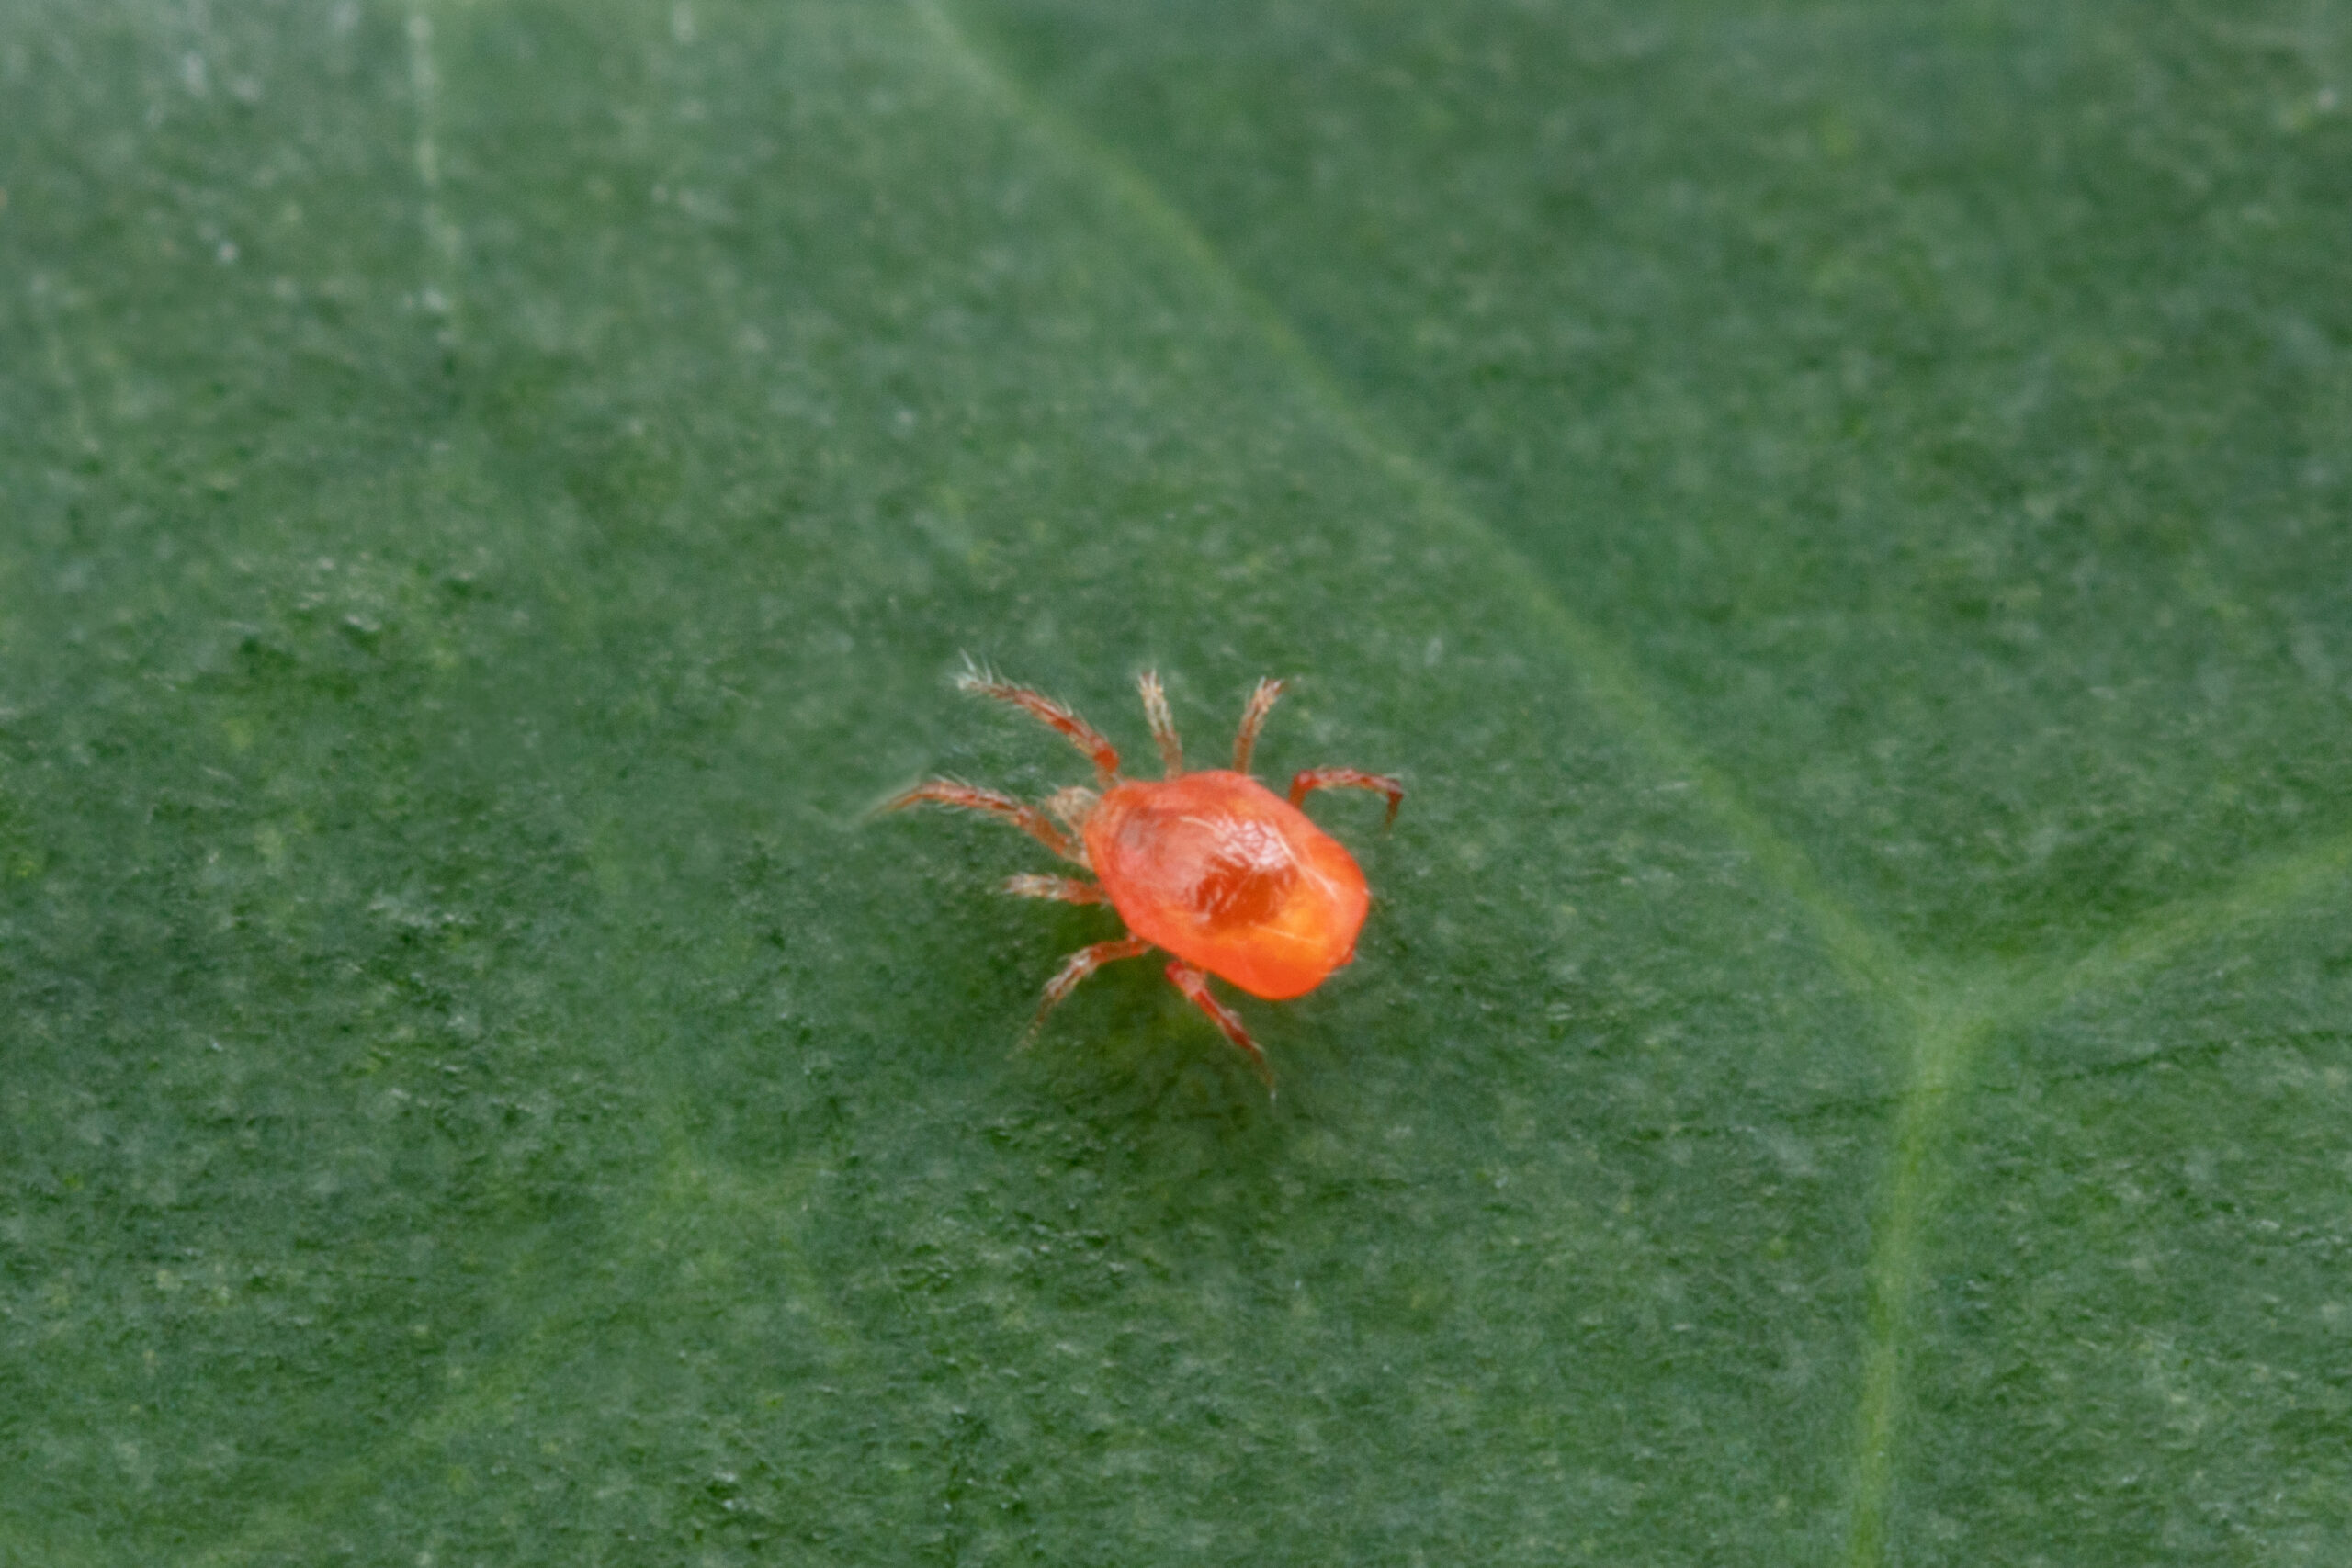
(1209, 865)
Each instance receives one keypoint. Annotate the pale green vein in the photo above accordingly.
(1967, 1015)
(2264, 887)
(1607, 674)
(1944, 1044)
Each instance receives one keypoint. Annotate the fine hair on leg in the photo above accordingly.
(1195, 986)
(1163, 726)
(1253, 719)
(1043, 708)
(988, 803)
(1081, 964)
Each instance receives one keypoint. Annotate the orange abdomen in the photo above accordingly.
(1228, 875)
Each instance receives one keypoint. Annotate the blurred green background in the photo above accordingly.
(1842, 515)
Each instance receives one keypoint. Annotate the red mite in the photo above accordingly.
(1211, 865)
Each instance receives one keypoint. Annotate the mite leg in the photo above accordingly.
(1083, 963)
(1163, 727)
(1253, 719)
(1069, 889)
(988, 803)
(1195, 986)
(1043, 708)
(1347, 778)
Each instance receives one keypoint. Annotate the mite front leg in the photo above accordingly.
(1195, 986)
(1253, 719)
(1045, 710)
(1081, 964)
(1347, 778)
(988, 803)
(1163, 726)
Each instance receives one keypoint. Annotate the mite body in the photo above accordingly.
(1209, 865)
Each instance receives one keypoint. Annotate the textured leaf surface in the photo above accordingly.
(1841, 516)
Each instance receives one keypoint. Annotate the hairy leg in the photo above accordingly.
(1347, 778)
(1067, 889)
(1163, 727)
(1081, 964)
(1043, 708)
(1253, 719)
(1195, 986)
(988, 803)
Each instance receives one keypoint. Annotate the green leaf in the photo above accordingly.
(1837, 515)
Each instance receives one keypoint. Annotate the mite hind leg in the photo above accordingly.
(1081, 964)
(1347, 778)
(1195, 986)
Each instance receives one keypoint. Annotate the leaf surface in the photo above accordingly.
(1838, 516)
